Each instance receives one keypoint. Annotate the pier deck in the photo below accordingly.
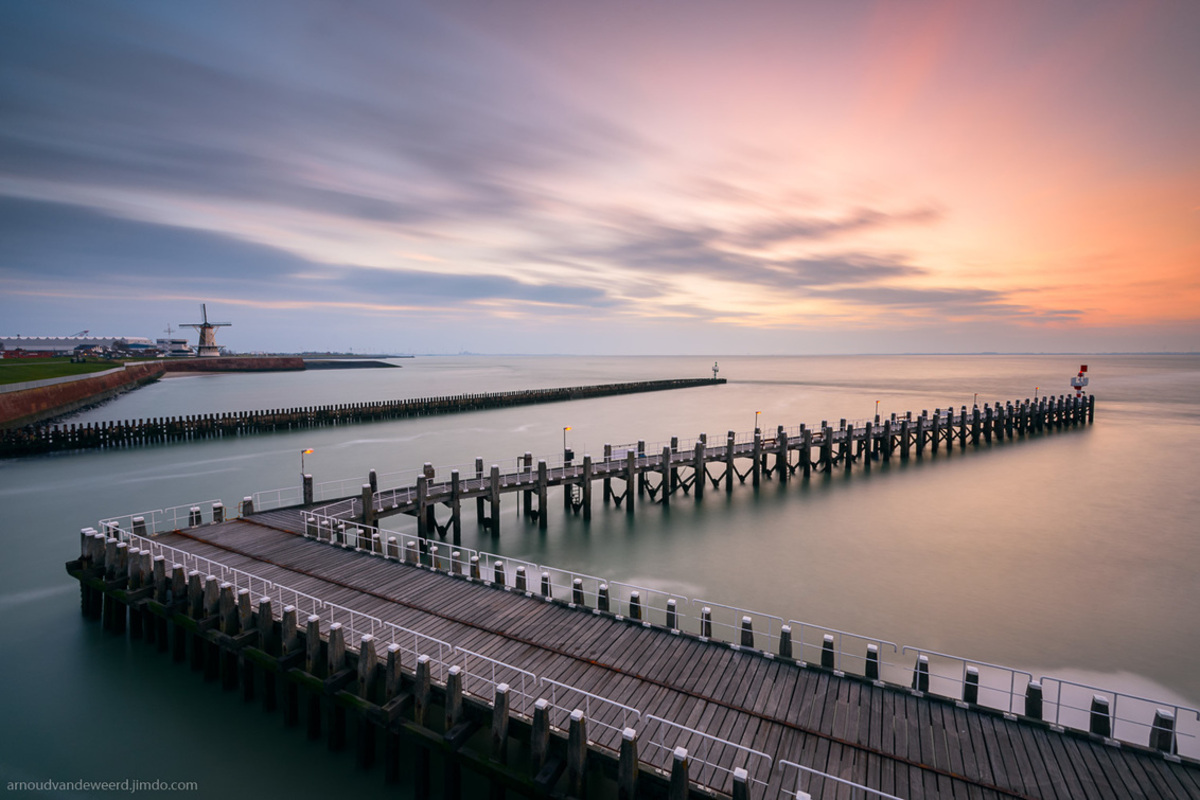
(685, 688)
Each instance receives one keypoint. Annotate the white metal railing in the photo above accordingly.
(278, 498)
(606, 719)
(727, 624)
(718, 758)
(1131, 716)
(821, 784)
(849, 649)
(481, 676)
(999, 687)
(656, 600)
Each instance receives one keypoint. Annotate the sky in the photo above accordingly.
(559, 176)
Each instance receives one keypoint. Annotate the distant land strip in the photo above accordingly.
(33, 439)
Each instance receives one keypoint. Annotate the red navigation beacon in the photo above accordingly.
(1080, 381)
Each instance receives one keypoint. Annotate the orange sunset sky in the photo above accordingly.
(619, 177)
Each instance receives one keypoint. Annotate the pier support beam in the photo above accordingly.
(542, 488)
(700, 476)
(494, 491)
(587, 487)
(456, 506)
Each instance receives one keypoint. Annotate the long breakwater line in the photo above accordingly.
(31, 440)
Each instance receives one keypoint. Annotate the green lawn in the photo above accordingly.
(19, 370)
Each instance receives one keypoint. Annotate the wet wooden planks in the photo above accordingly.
(882, 737)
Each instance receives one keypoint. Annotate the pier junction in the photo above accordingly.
(439, 660)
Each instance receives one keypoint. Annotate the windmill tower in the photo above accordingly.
(208, 333)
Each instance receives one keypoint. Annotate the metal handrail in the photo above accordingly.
(839, 650)
(856, 790)
(521, 683)
(961, 678)
(1192, 750)
(771, 634)
(561, 708)
(701, 746)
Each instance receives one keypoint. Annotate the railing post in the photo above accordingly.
(1162, 732)
(971, 686)
(576, 753)
(1033, 700)
(785, 641)
(1100, 719)
(678, 789)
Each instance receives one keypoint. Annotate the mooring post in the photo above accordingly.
(422, 501)
(500, 724)
(456, 506)
(1033, 700)
(976, 423)
(963, 421)
(608, 467)
(872, 666)
(741, 784)
(1162, 731)
(602, 597)
(806, 451)
(699, 470)
(543, 481)
(368, 504)
(756, 469)
(747, 632)
(587, 487)
(308, 490)
(667, 472)
(781, 455)
(1100, 717)
(989, 423)
(539, 738)
(678, 787)
(971, 685)
(422, 697)
(672, 615)
(479, 516)
(641, 475)
(494, 480)
(868, 447)
(526, 463)
(785, 641)
(627, 766)
(576, 753)
(630, 477)
(730, 440)
(922, 433)
(920, 679)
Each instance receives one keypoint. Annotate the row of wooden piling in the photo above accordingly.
(128, 433)
(802, 453)
(391, 707)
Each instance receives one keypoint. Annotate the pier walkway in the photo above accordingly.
(794, 714)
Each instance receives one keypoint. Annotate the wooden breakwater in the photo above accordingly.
(117, 433)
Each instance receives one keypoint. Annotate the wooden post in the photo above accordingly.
(747, 632)
(785, 641)
(971, 686)
(479, 500)
(542, 490)
(576, 753)
(641, 476)
(312, 645)
(1033, 700)
(607, 470)
(539, 737)
(421, 702)
(871, 670)
(456, 506)
(730, 438)
(422, 505)
(1100, 717)
(587, 487)
(781, 455)
(627, 766)
(756, 469)
(975, 425)
(700, 471)
(678, 788)
(741, 784)
(500, 724)
(806, 451)
(667, 485)
(368, 503)
(308, 490)
(368, 663)
(494, 480)
(1162, 731)
(631, 477)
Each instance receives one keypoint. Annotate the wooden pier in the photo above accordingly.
(549, 683)
(627, 472)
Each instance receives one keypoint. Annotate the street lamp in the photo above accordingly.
(756, 413)
(877, 411)
(303, 453)
(976, 402)
(567, 454)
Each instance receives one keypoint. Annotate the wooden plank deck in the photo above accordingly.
(883, 737)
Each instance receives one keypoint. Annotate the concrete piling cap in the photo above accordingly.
(577, 715)
(746, 619)
(1165, 713)
(456, 670)
(541, 704)
(313, 618)
(740, 774)
(502, 688)
(629, 734)
(423, 659)
(680, 754)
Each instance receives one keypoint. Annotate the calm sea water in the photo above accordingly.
(1072, 554)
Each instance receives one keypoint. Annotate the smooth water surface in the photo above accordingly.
(1072, 553)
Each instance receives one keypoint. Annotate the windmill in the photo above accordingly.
(208, 335)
